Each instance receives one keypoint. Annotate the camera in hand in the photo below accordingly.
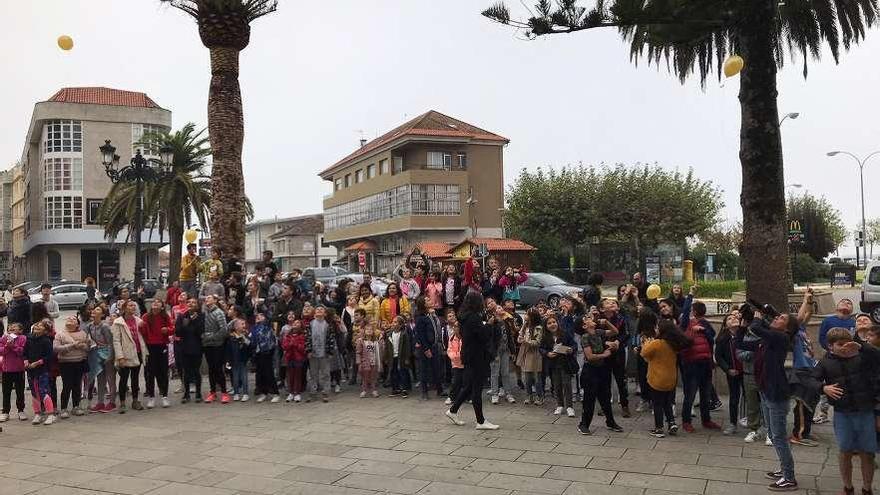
(749, 309)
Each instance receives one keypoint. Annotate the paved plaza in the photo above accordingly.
(386, 445)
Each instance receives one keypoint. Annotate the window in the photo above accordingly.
(371, 170)
(398, 164)
(62, 174)
(63, 212)
(383, 166)
(63, 136)
(462, 161)
(337, 184)
(439, 160)
(358, 176)
(92, 207)
(347, 180)
(874, 276)
(138, 131)
(53, 264)
(435, 199)
(410, 199)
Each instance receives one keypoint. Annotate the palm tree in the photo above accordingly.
(172, 203)
(696, 36)
(224, 27)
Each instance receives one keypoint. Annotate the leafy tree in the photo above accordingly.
(723, 240)
(225, 29)
(872, 236)
(693, 36)
(823, 229)
(172, 203)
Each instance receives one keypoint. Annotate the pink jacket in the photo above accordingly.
(13, 353)
(454, 352)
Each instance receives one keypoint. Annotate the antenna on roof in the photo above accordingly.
(363, 139)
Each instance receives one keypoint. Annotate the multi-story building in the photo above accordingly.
(295, 242)
(17, 222)
(6, 178)
(64, 184)
(432, 179)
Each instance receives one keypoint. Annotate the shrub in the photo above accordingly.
(804, 269)
(715, 289)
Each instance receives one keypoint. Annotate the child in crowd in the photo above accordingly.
(188, 328)
(596, 375)
(369, 360)
(240, 347)
(558, 347)
(12, 351)
(661, 355)
(529, 358)
(37, 356)
(725, 356)
(696, 369)
(294, 345)
(846, 375)
(264, 343)
(874, 340)
(72, 345)
(453, 350)
(397, 356)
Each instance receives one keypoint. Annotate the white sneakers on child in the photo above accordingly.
(768, 442)
(297, 398)
(289, 398)
(4, 418)
(557, 411)
(494, 399)
(275, 399)
(454, 418)
(245, 397)
(448, 401)
(22, 416)
(236, 397)
(511, 399)
(49, 420)
(569, 412)
(166, 402)
(151, 403)
(375, 393)
(37, 419)
(64, 414)
(485, 425)
(751, 437)
(337, 389)
(261, 398)
(363, 394)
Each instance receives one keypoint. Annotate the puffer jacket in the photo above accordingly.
(854, 375)
(701, 348)
(215, 328)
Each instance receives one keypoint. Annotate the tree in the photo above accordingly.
(872, 236)
(172, 203)
(224, 28)
(724, 240)
(822, 227)
(696, 36)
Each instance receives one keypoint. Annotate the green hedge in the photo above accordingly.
(712, 289)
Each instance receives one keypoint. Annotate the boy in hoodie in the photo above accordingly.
(846, 375)
(697, 368)
(264, 343)
(12, 350)
(37, 355)
(320, 349)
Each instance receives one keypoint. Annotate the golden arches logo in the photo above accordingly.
(794, 226)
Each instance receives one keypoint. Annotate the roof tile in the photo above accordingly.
(104, 96)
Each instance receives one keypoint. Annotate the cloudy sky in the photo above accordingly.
(318, 75)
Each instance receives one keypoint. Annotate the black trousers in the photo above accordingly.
(156, 370)
(596, 382)
(618, 368)
(803, 420)
(189, 365)
(13, 379)
(216, 358)
(662, 401)
(71, 382)
(473, 379)
(642, 372)
(697, 376)
(457, 374)
(735, 388)
(124, 375)
(265, 374)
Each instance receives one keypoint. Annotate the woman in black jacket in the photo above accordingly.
(475, 356)
(188, 330)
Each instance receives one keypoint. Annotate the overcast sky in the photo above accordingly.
(317, 74)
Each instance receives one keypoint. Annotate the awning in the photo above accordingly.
(362, 246)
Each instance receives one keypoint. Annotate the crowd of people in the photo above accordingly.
(451, 332)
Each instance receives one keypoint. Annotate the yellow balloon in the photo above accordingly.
(733, 65)
(65, 42)
(653, 292)
(190, 235)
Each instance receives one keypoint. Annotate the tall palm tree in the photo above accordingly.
(224, 27)
(172, 203)
(695, 36)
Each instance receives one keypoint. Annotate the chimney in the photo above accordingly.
(363, 142)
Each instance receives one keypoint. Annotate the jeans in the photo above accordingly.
(216, 358)
(264, 381)
(734, 386)
(124, 375)
(561, 379)
(319, 369)
(106, 383)
(696, 376)
(474, 376)
(399, 376)
(753, 403)
(536, 379)
(501, 365)
(71, 382)
(190, 364)
(662, 402)
(429, 370)
(596, 381)
(240, 377)
(618, 368)
(13, 379)
(156, 370)
(775, 413)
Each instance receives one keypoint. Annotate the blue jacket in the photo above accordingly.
(263, 338)
(800, 356)
(834, 322)
(424, 334)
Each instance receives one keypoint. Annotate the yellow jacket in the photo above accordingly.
(189, 268)
(371, 306)
(662, 365)
(385, 309)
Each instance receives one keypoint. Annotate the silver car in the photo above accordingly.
(67, 295)
(545, 287)
(379, 284)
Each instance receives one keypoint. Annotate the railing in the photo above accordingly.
(724, 307)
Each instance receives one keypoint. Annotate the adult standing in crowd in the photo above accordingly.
(189, 270)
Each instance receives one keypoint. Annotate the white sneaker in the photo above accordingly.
(49, 420)
(768, 442)
(557, 411)
(511, 399)
(64, 415)
(289, 398)
(236, 398)
(261, 398)
(37, 419)
(166, 402)
(454, 418)
(151, 403)
(337, 389)
(4, 418)
(494, 399)
(744, 422)
(275, 399)
(751, 437)
(485, 425)
(448, 401)
(375, 393)
(22, 416)
(245, 397)
(569, 412)
(297, 398)
(363, 394)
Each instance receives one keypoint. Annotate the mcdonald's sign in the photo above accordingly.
(795, 231)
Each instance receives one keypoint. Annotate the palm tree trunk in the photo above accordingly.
(176, 246)
(226, 129)
(764, 246)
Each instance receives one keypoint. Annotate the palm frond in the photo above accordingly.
(251, 10)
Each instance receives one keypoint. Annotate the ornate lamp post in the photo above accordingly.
(140, 170)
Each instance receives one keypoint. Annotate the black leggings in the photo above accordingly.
(156, 370)
(596, 381)
(13, 379)
(124, 375)
(618, 368)
(735, 388)
(216, 358)
(473, 377)
(264, 379)
(642, 371)
(663, 407)
(189, 369)
(71, 382)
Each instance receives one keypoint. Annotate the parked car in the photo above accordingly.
(151, 285)
(379, 284)
(547, 287)
(27, 286)
(67, 295)
(870, 302)
(323, 274)
(34, 287)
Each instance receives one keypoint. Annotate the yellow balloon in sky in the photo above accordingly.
(65, 42)
(733, 65)
(653, 292)
(190, 235)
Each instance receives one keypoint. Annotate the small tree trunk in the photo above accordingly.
(764, 248)
(226, 129)
(176, 246)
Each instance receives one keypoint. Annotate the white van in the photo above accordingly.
(871, 291)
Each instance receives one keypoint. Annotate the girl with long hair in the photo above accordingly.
(662, 357)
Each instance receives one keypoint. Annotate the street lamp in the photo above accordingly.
(862, 185)
(795, 185)
(139, 171)
(790, 115)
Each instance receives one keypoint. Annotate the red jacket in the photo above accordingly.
(172, 294)
(294, 345)
(700, 349)
(151, 330)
